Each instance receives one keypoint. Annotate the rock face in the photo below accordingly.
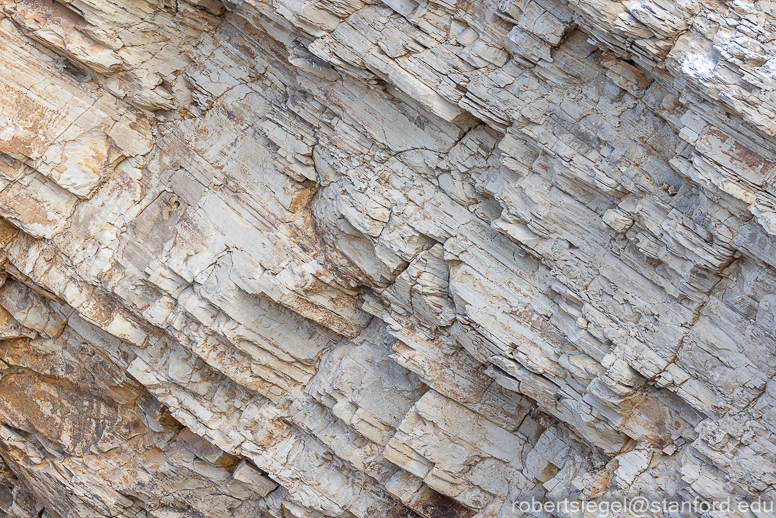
(385, 258)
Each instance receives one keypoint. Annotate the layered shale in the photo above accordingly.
(385, 258)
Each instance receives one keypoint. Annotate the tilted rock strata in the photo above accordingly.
(350, 259)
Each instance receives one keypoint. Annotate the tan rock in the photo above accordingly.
(344, 259)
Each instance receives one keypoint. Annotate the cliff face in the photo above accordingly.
(345, 258)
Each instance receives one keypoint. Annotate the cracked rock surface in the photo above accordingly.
(385, 258)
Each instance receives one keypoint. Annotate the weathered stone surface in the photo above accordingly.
(385, 259)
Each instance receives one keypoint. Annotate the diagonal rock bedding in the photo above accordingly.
(386, 258)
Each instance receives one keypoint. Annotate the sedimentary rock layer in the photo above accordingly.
(395, 258)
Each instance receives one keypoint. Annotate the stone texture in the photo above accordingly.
(384, 259)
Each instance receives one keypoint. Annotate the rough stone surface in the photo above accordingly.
(385, 258)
